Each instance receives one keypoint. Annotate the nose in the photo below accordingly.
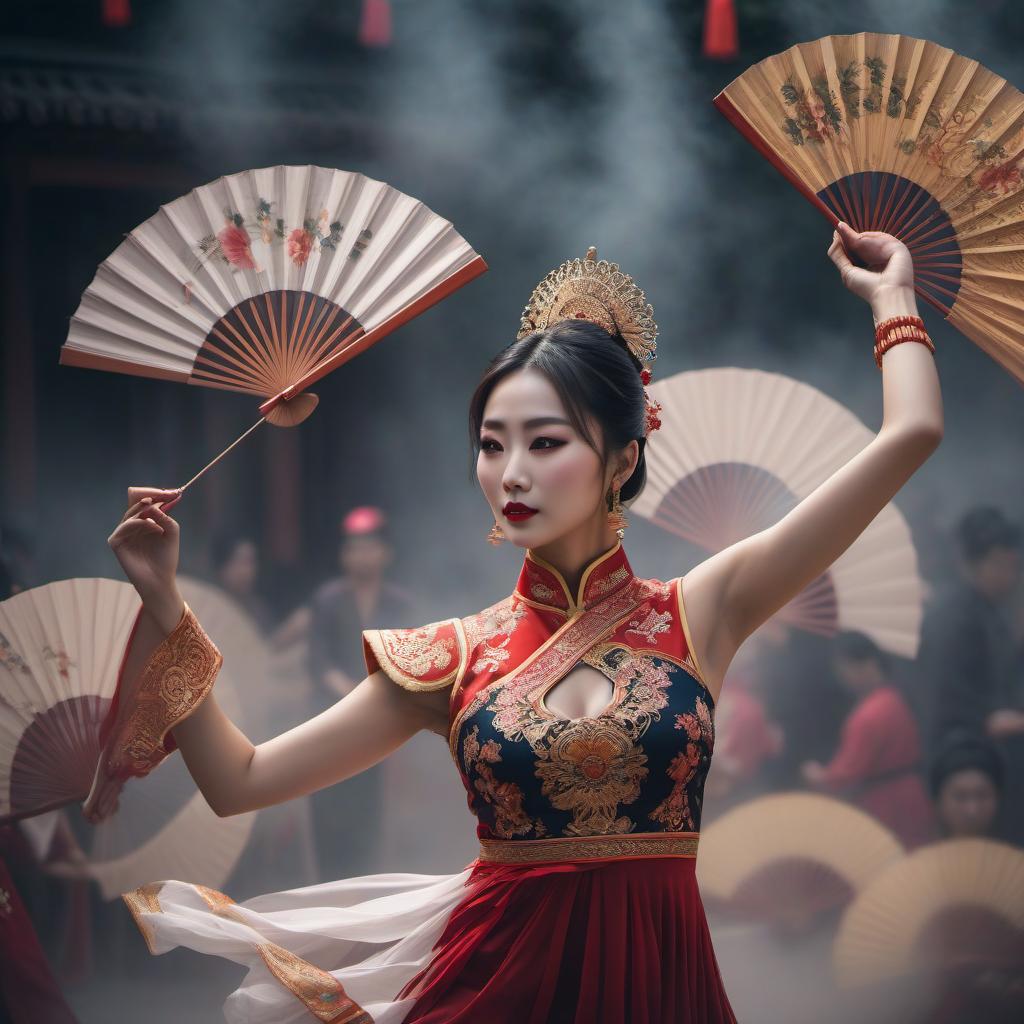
(515, 476)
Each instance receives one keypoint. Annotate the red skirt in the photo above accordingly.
(575, 943)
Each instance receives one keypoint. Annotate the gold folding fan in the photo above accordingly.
(900, 135)
(266, 280)
(786, 858)
(948, 907)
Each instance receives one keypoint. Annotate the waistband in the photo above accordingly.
(571, 848)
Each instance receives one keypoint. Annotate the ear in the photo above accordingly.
(624, 463)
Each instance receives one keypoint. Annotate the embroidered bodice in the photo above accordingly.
(636, 767)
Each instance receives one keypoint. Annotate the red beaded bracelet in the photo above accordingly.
(898, 329)
(897, 321)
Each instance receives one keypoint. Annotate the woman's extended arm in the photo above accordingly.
(233, 774)
(733, 592)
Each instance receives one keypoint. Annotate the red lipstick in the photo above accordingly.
(516, 512)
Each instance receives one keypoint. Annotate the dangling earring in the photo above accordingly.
(495, 536)
(616, 513)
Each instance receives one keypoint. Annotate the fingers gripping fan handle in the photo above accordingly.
(900, 135)
(265, 281)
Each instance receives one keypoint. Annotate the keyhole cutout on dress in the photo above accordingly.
(582, 693)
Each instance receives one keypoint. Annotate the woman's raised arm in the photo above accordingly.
(233, 774)
(733, 592)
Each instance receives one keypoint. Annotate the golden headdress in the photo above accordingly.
(595, 290)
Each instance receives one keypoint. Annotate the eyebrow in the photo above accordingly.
(540, 421)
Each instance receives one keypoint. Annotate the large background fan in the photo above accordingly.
(787, 858)
(957, 904)
(163, 827)
(895, 134)
(62, 646)
(738, 450)
(266, 280)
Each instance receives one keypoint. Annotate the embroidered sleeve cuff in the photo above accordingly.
(177, 678)
(429, 658)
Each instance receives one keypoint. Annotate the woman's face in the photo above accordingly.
(968, 803)
(540, 477)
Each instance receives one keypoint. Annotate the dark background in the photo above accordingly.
(538, 128)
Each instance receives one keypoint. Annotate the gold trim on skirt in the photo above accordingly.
(627, 847)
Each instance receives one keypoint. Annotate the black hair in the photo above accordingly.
(596, 377)
(964, 751)
(983, 529)
(854, 646)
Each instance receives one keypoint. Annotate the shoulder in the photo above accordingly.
(429, 657)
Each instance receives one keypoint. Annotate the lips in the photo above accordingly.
(516, 512)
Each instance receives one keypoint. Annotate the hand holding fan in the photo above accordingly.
(263, 282)
(903, 136)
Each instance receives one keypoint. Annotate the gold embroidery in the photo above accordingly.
(321, 993)
(411, 657)
(540, 592)
(653, 623)
(318, 990)
(500, 620)
(589, 769)
(176, 679)
(221, 904)
(144, 900)
(513, 716)
(606, 585)
(418, 652)
(505, 797)
(534, 851)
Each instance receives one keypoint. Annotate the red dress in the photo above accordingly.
(583, 906)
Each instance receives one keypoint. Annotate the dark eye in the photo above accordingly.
(488, 444)
(542, 443)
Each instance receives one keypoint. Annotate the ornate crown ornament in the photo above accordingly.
(595, 290)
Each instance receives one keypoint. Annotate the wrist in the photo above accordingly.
(897, 301)
(166, 606)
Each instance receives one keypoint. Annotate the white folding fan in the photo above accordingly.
(62, 647)
(163, 827)
(790, 856)
(264, 281)
(896, 134)
(952, 905)
(737, 450)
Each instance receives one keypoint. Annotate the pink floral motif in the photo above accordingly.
(237, 246)
(300, 245)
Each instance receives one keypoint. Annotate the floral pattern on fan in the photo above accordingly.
(63, 660)
(943, 142)
(9, 656)
(233, 243)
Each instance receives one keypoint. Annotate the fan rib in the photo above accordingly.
(253, 357)
(249, 374)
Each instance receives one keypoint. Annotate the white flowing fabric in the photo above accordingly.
(372, 933)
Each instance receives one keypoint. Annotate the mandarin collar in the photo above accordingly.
(541, 584)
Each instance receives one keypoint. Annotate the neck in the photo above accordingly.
(571, 554)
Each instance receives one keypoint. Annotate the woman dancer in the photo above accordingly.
(579, 710)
